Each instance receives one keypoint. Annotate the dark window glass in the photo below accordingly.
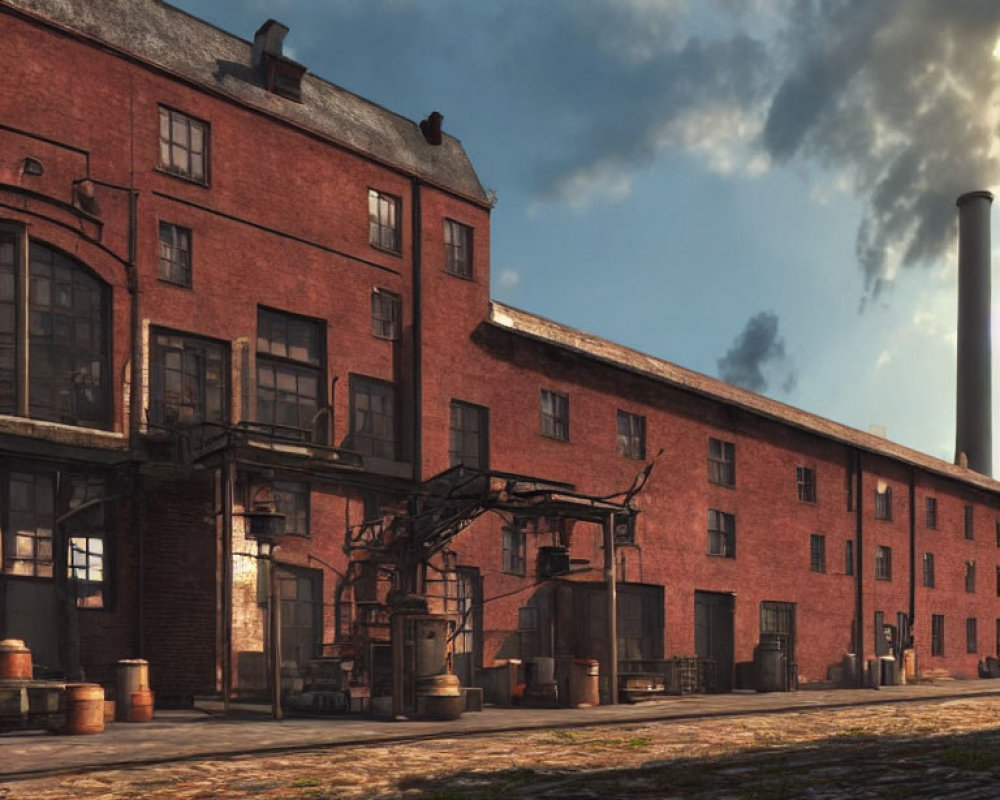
(883, 503)
(971, 638)
(27, 540)
(9, 261)
(555, 415)
(970, 576)
(373, 417)
(930, 508)
(183, 145)
(721, 534)
(383, 221)
(969, 531)
(778, 619)
(289, 373)
(458, 248)
(849, 557)
(81, 513)
(805, 483)
(631, 435)
(189, 381)
(929, 570)
(385, 314)
(513, 550)
(175, 254)
(721, 462)
(291, 498)
(883, 563)
(817, 553)
(937, 634)
(469, 436)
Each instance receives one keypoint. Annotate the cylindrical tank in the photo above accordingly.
(84, 708)
(910, 665)
(584, 683)
(431, 646)
(133, 675)
(769, 660)
(140, 706)
(15, 661)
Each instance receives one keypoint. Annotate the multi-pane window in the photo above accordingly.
(721, 534)
(631, 435)
(805, 482)
(998, 581)
(383, 221)
(779, 619)
(189, 379)
(937, 634)
(513, 550)
(289, 372)
(971, 637)
(373, 417)
(9, 269)
(883, 502)
(929, 570)
(469, 436)
(930, 512)
(849, 557)
(970, 576)
(175, 254)
(721, 462)
(27, 536)
(555, 415)
(291, 498)
(183, 145)
(969, 530)
(817, 552)
(386, 308)
(883, 563)
(997, 526)
(81, 510)
(457, 248)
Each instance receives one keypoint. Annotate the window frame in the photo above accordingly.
(805, 484)
(458, 254)
(928, 579)
(174, 248)
(293, 499)
(817, 552)
(387, 312)
(555, 421)
(457, 455)
(937, 634)
(930, 513)
(970, 577)
(380, 229)
(721, 462)
(631, 441)
(971, 635)
(375, 446)
(883, 504)
(199, 345)
(41, 536)
(168, 167)
(721, 534)
(968, 520)
(883, 562)
(514, 550)
(849, 559)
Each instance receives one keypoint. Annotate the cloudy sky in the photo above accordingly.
(760, 190)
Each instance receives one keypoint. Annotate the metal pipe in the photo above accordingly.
(416, 246)
(611, 589)
(228, 496)
(274, 607)
(859, 561)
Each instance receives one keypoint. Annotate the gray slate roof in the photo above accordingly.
(189, 47)
(544, 330)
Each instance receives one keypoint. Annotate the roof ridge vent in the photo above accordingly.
(280, 74)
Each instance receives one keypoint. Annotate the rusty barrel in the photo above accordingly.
(140, 706)
(15, 661)
(133, 676)
(584, 683)
(84, 708)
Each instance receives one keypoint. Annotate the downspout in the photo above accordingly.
(416, 421)
(860, 563)
(913, 558)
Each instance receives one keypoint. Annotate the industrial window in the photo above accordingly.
(555, 415)
(779, 619)
(81, 514)
(930, 512)
(937, 634)
(631, 435)
(513, 550)
(175, 254)
(457, 248)
(805, 482)
(817, 552)
(721, 534)
(373, 417)
(929, 570)
(970, 576)
(383, 221)
(849, 557)
(291, 498)
(883, 563)
(183, 145)
(189, 380)
(883, 502)
(721, 462)
(27, 539)
(289, 373)
(969, 530)
(65, 342)
(998, 581)
(849, 481)
(997, 526)
(386, 307)
(469, 436)
(971, 643)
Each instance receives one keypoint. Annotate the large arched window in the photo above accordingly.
(63, 347)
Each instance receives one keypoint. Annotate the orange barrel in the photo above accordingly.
(140, 706)
(910, 665)
(584, 683)
(133, 676)
(84, 708)
(15, 661)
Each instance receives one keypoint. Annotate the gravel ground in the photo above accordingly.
(921, 750)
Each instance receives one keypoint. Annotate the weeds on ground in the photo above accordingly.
(970, 757)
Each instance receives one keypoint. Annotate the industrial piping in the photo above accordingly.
(973, 410)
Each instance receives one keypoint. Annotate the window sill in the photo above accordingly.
(470, 278)
(61, 433)
(386, 250)
(175, 284)
(554, 438)
(193, 181)
(722, 485)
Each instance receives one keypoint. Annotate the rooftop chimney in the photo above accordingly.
(280, 74)
(431, 128)
(973, 411)
(268, 40)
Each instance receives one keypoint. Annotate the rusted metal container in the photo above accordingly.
(584, 683)
(140, 706)
(133, 676)
(84, 708)
(15, 661)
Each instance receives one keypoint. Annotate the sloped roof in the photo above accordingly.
(586, 344)
(191, 48)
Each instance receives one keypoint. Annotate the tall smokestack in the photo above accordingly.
(973, 412)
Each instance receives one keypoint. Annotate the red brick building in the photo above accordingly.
(224, 280)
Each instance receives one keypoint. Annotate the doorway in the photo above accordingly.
(713, 634)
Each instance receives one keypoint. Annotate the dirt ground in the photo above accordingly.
(948, 749)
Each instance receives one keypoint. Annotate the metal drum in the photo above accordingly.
(15, 661)
(84, 708)
(133, 676)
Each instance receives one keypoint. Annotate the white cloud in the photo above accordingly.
(508, 278)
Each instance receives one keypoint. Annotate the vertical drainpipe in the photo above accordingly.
(134, 413)
(913, 555)
(417, 246)
(860, 563)
(611, 595)
(226, 576)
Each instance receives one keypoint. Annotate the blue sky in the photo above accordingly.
(761, 190)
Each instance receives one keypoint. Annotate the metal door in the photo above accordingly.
(713, 634)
